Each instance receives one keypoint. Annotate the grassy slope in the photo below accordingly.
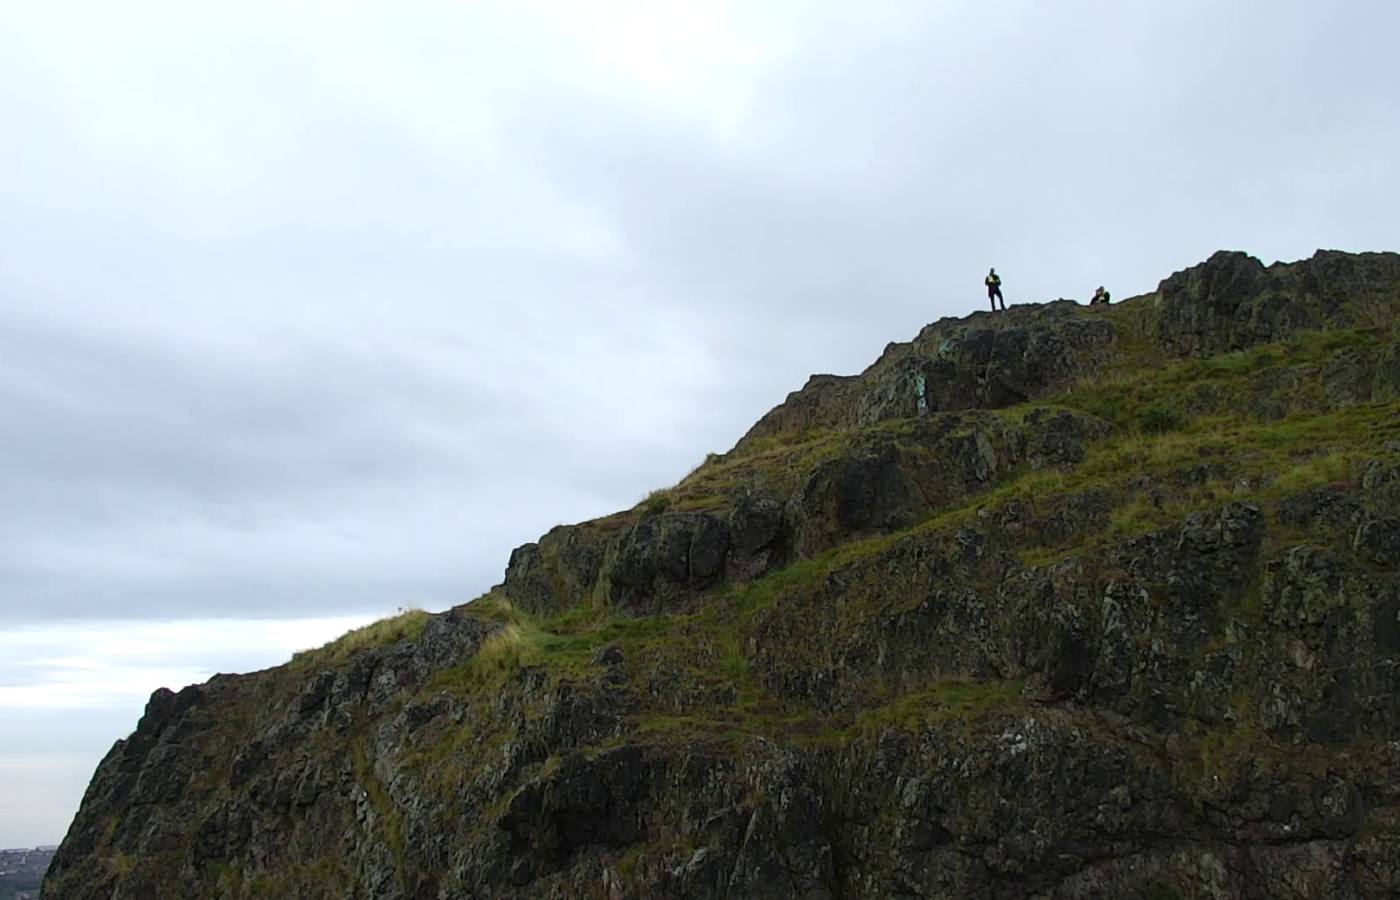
(1169, 416)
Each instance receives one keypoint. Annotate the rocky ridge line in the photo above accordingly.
(1119, 618)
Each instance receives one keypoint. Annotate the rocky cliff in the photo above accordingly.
(1116, 616)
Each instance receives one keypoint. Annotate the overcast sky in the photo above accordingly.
(311, 311)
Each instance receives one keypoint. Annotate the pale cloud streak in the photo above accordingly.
(116, 664)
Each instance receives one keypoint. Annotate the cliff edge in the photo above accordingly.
(1115, 614)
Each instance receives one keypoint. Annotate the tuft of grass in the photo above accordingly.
(406, 626)
(1160, 417)
(773, 465)
(1330, 467)
(656, 502)
(506, 652)
(944, 700)
(493, 606)
(563, 645)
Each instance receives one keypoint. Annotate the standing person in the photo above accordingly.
(1100, 296)
(993, 282)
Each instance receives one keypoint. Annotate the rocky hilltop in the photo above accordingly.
(1116, 616)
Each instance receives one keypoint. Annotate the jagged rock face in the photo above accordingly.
(562, 567)
(990, 360)
(885, 480)
(1232, 301)
(1134, 639)
(668, 556)
(982, 362)
(890, 482)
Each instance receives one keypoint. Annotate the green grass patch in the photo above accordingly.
(1330, 467)
(656, 502)
(406, 626)
(944, 700)
(1191, 456)
(1151, 394)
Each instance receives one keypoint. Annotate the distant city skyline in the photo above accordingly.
(22, 869)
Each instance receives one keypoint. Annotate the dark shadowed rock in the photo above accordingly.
(1232, 301)
(980, 362)
(665, 559)
(558, 571)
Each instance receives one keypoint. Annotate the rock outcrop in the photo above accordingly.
(1232, 301)
(1116, 614)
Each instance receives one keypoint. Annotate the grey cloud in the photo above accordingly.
(85, 408)
(298, 336)
(1070, 145)
(148, 478)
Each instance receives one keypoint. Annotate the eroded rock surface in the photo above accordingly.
(1116, 616)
